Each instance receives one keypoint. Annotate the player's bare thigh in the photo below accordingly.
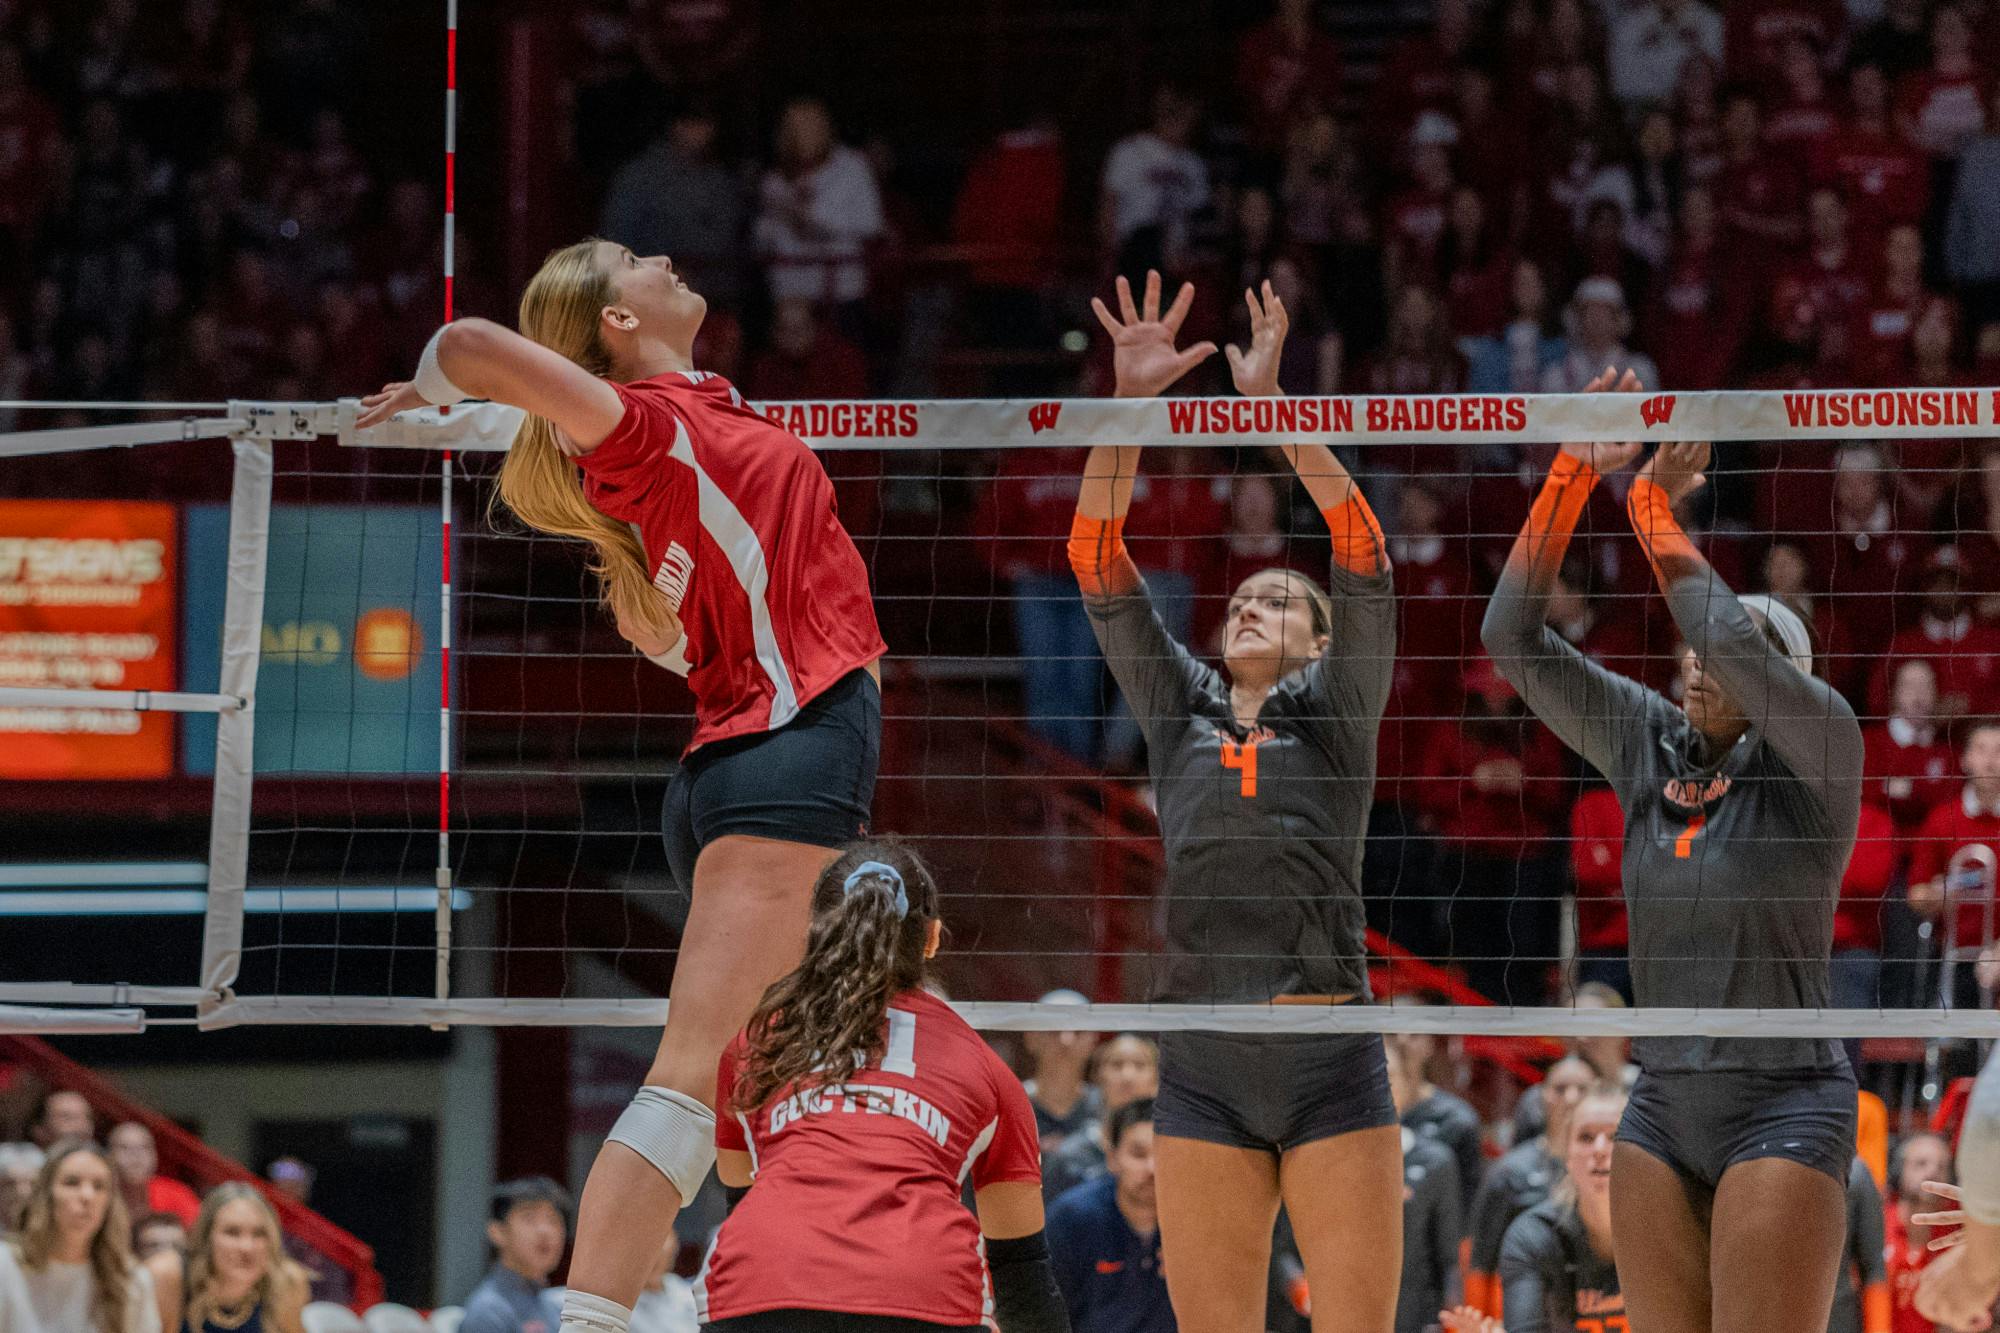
(1218, 1206)
(1345, 1197)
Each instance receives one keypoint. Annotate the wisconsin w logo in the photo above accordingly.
(1042, 416)
(1657, 411)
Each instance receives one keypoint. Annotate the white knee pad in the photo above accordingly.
(585, 1313)
(674, 1132)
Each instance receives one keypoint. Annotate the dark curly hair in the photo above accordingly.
(828, 1018)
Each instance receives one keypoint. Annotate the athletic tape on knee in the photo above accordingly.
(585, 1313)
(674, 1132)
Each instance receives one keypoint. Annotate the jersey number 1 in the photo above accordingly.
(1684, 845)
(1242, 758)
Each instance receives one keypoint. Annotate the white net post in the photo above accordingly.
(235, 729)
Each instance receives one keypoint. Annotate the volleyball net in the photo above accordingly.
(432, 772)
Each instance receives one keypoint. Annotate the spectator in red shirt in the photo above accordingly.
(1868, 558)
(1827, 280)
(1413, 221)
(1803, 117)
(1760, 34)
(1696, 319)
(1495, 790)
(1942, 107)
(1963, 651)
(1879, 345)
(1979, 546)
(1596, 851)
(1010, 211)
(1758, 189)
(1910, 766)
(1283, 65)
(137, 1162)
(1906, 1245)
(1474, 265)
(1857, 920)
(1970, 817)
(1417, 74)
(1886, 182)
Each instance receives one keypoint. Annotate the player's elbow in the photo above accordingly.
(1507, 636)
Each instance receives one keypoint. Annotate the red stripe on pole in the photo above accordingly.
(451, 182)
(451, 59)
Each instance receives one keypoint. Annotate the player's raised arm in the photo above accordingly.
(1357, 537)
(476, 358)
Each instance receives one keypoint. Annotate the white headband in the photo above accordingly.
(1790, 629)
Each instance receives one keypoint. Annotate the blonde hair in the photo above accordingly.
(539, 482)
(283, 1290)
(1564, 1190)
(111, 1261)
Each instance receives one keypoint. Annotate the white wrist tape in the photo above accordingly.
(675, 659)
(672, 1131)
(585, 1313)
(431, 383)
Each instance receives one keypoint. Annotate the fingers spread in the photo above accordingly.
(1125, 306)
(1183, 300)
(1111, 326)
(1151, 308)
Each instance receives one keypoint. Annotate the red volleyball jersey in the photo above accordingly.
(856, 1206)
(739, 525)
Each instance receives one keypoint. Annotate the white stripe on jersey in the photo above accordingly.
(701, 1278)
(979, 1145)
(725, 524)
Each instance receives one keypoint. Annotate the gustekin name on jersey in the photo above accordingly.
(866, 1099)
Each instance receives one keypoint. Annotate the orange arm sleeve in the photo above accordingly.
(1552, 521)
(1357, 538)
(1667, 547)
(1875, 1317)
(1097, 554)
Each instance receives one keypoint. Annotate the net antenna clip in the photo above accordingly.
(287, 421)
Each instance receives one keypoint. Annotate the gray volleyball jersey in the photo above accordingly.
(1264, 826)
(1732, 861)
(1551, 1280)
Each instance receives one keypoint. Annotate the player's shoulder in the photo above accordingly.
(1535, 1231)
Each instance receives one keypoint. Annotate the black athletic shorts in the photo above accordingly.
(812, 780)
(1701, 1124)
(1270, 1093)
(828, 1321)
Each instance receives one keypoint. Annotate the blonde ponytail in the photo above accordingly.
(543, 485)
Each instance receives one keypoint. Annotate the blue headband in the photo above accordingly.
(877, 869)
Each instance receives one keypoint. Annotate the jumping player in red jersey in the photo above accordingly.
(845, 1173)
(716, 540)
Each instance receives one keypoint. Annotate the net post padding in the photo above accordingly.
(114, 995)
(1491, 1020)
(235, 731)
(20, 1019)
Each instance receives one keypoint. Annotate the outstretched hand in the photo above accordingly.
(1678, 467)
(1143, 356)
(1256, 371)
(1604, 459)
(396, 396)
(1944, 1217)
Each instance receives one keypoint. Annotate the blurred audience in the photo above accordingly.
(529, 1231)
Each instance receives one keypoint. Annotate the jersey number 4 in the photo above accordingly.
(1243, 758)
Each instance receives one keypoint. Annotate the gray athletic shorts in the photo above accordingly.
(1270, 1093)
(1701, 1124)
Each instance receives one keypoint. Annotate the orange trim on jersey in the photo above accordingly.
(1553, 518)
(1667, 547)
(1875, 1308)
(1097, 554)
(1482, 1292)
(1357, 537)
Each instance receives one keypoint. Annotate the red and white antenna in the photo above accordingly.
(443, 974)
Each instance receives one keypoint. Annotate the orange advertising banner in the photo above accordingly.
(87, 601)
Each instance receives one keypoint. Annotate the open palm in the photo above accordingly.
(1256, 371)
(1143, 356)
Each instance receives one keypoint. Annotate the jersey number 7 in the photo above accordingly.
(1243, 758)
